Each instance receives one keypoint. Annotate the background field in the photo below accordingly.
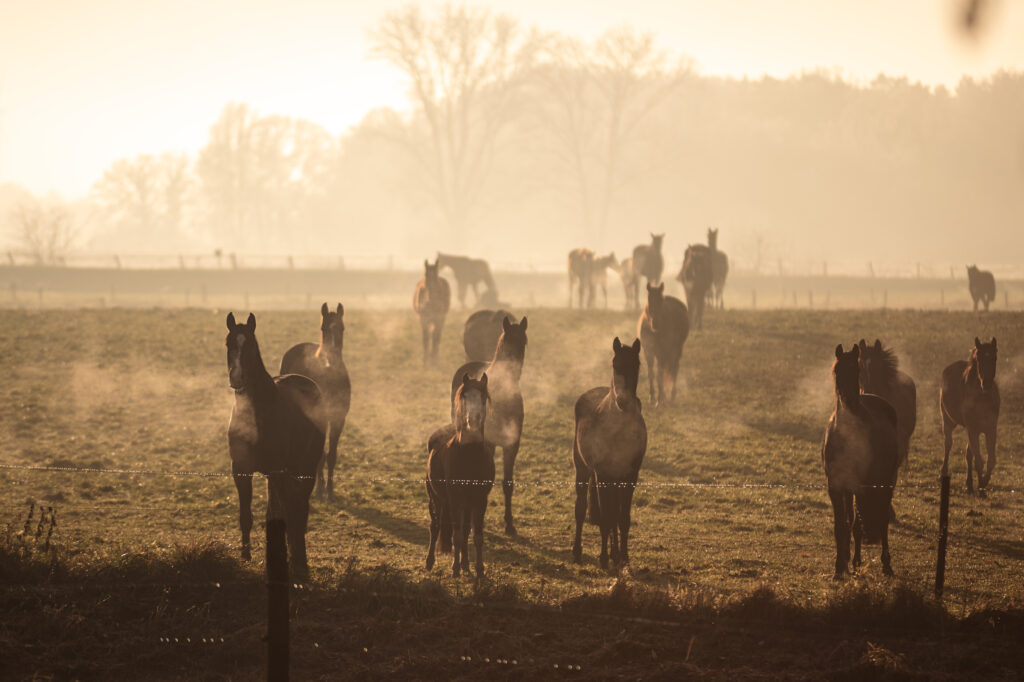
(732, 548)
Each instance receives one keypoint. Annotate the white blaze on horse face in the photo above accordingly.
(473, 407)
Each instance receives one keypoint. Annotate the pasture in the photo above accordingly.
(731, 550)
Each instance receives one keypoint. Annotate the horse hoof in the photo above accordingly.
(837, 576)
(430, 562)
(887, 571)
(577, 556)
(246, 555)
(510, 530)
(604, 562)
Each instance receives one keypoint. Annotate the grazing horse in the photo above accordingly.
(663, 327)
(469, 272)
(860, 453)
(696, 277)
(969, 397)
(431, 301)
(481, 333)
(277, 429)
(647, 260)
(880, 374)
(599, 277)
(460, 475)
(719, 271)
(982, 285)
(324, 365)
(505, 426)
(580, 262)
(607, 451)
(630, 283)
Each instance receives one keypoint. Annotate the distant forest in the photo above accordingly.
(519, 146)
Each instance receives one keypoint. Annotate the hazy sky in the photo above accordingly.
(85, 82)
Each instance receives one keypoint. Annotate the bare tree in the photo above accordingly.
(465, 69)
(44, 230)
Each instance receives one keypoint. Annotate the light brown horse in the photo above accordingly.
(607, 450)
(277, 429)
(630, 283)
(663, 327)
(431, 301)
(505, 424)
(860, 453)
(719, 272)
(460, 475)
(880, 374)
(647, 260)
(696, 278)
(599, 277)
(469, 272)
(982, 285)
(580, 262)
(323, 364)
(969, 397)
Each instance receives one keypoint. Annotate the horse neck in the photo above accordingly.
(505, 363)
(972, 375)
(326, 352)
(259, 385)
(850, 403)
(613, 403)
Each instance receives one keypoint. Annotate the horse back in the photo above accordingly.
(609, 442)
(303, 394)
(676, 325)
(951, 392)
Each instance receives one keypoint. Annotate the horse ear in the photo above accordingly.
(977, 342)
(856, 351)
(251, 322)
(993, 345)
(231, 321)
(878, 345)
(649, 288)
(505, 324)
(426, 263)
(839, 350)
(522, 323)
(324, 309)
(863, 344)
(636, 345)
(483, 380)
(661, 287)
(341, 310)
(616, 345)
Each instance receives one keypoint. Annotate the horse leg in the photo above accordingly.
(858, 534)
(458, 521)
(297, 493)
(425, 329)
(990, 445)
(332, 454)
(508, 457)
(462, 293)
(436, 341)
(649, 361)
(625, 503)
(947, 434)
(661, 382)
(435, 524)
(467, 522)
(583, 476)
(841, 532)
(973, 455)
(243, 482)
(478, 533)
(886, 558)
(606, 503)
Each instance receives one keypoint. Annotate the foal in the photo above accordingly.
(460, 475)
(969, 397)
(431, 302)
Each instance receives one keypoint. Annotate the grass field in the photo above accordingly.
(732, 550)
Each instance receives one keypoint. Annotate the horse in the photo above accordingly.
(469, 272)
(719, 271)
(663, 327)
(607, 450)
(505, 426)
(860, 453)
(277, 429)
(880, 374)
(630, 283)
(460, 475)
(647, 260)
(696, 278)
(982, 285)
(481, 333)
(324, 365)
(598, 276)
(969, 397)
(580, 261)
(431, 301)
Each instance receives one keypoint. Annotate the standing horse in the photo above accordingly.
(580, 261)
(663, 327)
(860, 453)
(696, 277)
(647, 260)
(505, 426)
(607, 450)
(469, 272)
(276, 429)
(880, 374)
(599, 277)
(969, 397)
(982, 285)
(630, 283)
(460, 475)
(481, 333)
(719, 271)
(431, 301)
(324, 365)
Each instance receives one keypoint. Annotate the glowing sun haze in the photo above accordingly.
(84, 83)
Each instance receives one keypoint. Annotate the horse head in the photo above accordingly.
(872, 364)
(713, 238)
(430, 271)
(625, 373)
(656, 240)
(512, 342)
(983, 357)
(846, 374)
(332, 328)
(471, 407)
(655, 297)
(242, 350)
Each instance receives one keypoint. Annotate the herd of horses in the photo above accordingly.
(280, 424)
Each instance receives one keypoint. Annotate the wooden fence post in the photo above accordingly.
(277, 601)
(940, 565)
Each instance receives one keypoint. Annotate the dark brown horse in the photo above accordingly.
(860, 453)
(599, 277)
(663, 327)
(982, 285)
(607, 451)
(580, 263)
(880, 374)
(647, 261)
(696, 277)
(630, 283)
(469, 272)
(969, 397)
(460, 475)
(277, 429)
(431, 301)
(505, 425)
(481, 333)
(719, 271)
(324, 365)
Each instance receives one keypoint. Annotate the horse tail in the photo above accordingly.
(593, 507)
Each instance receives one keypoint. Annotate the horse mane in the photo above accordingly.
(890, 363)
